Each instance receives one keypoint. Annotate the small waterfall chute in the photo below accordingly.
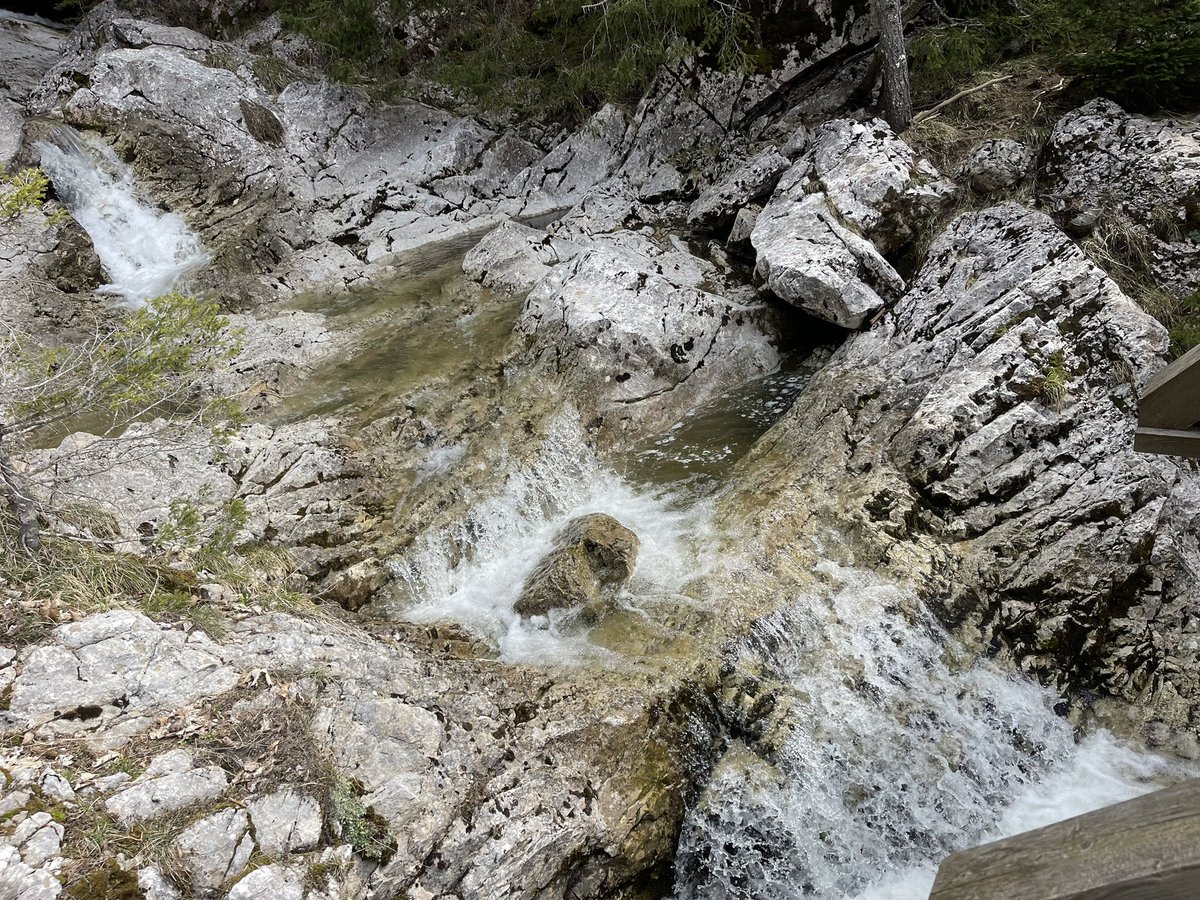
(145, 251)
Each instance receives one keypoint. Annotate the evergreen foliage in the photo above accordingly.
(1143, 55)
(549, 58)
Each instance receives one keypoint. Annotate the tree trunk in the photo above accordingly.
(20, 498)
(896, 98)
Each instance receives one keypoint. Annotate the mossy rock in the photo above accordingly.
(593, 554)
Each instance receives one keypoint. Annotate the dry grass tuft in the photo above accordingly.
(1024, 107)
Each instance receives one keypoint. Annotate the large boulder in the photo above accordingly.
(1134, 179)
(978, 442)
(592, 555)
(856, 196)
(637, 327)
(515, 257)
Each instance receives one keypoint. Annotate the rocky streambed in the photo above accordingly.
(717, 501)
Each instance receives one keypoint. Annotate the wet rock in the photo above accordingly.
(216, 849)
(170, 783)
(276, 353)
(719, 204)
(997, 164)
(285, 822)
(514, 257)
(1136, 177)
(978, 443)
(354, 586)
(857, 194)
(592, 555)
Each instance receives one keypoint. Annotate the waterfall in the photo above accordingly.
(898, 749)
(145, 252)
(507, 534)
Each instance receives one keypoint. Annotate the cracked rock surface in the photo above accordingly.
(980, 436)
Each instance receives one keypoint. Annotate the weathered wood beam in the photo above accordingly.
(1168, 442)
(1144, 849)
(1171, 399)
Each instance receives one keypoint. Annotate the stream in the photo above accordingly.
(900, 747)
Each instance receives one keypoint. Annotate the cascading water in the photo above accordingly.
(147, 253)
(893, 755)
(507, 535)
(892, 746)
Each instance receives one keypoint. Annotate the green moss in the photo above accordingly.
(108, 883)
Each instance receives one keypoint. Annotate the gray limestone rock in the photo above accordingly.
(111, 675)
(170, 783)
(978, 442)
(39, 839)
(719, 203)
(21, 881)
(514, 257)
(1136, 179)
(285, 822)
(856, 195)
(637, 327)
(274, 882)
(997, 164)
(216, 849)
(807, 257)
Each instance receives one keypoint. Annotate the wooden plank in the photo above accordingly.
(1168, 442)
(1171, 399)
(1144, 849)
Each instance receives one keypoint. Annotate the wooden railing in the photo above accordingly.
(1170, 411)
(1144, 849)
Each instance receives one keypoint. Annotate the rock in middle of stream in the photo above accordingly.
(592, 555)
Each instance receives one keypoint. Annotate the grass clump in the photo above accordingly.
(1183, 324)
(273, 73)
(1052, 388)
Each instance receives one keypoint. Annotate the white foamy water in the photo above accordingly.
(146, 252)
(509, 533)
(895, 755)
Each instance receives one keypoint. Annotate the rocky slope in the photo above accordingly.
(972, 440)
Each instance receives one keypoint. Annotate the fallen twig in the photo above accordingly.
(934, 110)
